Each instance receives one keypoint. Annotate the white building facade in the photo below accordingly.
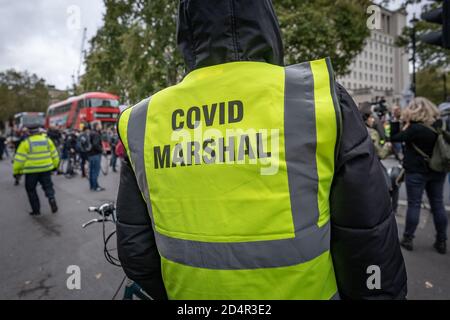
(381, 69)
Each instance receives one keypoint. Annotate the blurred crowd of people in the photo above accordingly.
(85, 152)
(410, 135)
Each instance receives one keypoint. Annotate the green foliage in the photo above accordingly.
(430, 84)
(428, 56)
(317, 28)
(20, 92)
(134, 54)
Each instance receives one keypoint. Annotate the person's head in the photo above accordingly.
(367, 115)
(97, 126)
(396, 111)
(211, 32)
(33, 129)
(421, 109)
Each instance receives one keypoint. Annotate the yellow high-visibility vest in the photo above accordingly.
(35, 154)
(235, 164)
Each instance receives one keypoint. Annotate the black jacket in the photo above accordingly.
(421, 137)
(364, 230)
(96, 142)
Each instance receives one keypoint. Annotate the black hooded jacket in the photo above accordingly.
(364, 231)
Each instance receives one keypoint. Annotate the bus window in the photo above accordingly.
(95, 102)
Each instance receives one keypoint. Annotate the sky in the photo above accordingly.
(44, 36)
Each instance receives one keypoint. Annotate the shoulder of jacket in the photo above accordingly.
(125, 115)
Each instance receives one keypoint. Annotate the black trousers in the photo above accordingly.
(31, 181)
(84, 159)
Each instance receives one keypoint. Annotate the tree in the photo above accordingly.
(427, 55)
(432, 61)
(21, 92)
(134, 53)
(316, 28)
(430, 84)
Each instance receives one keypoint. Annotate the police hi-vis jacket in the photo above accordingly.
(35, 154)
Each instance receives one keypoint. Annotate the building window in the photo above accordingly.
(365, 76)
(371, 67)
(371, 56)
(388, 24)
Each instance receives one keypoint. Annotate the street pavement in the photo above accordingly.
(428, 271)
(35, 252)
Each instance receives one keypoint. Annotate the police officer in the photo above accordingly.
(36, 157)
(249, 179)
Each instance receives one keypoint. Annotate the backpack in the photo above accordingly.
(85, 144)
(440, 159)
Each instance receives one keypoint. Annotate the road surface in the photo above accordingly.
(35, 252)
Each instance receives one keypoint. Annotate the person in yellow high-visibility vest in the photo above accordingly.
(36, 157)
(250, 179)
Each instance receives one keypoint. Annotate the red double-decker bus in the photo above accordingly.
(85, 108)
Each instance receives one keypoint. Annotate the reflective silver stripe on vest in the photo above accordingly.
(246, 255)
(136, 137)
(300, 145)
(40, 158)
(39, 167)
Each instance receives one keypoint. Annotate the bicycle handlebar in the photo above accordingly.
(106, 210)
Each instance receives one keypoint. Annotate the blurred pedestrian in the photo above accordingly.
(120, 150)
(95, 156)
(383, 150)
(2, 145)
(36, 157)
(55, 134)
(397, 147)
(84, 147)
(421, 118)
(114, 139)
(70, 149)
(20, 136)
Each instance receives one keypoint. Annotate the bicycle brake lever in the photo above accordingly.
(91, 222)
